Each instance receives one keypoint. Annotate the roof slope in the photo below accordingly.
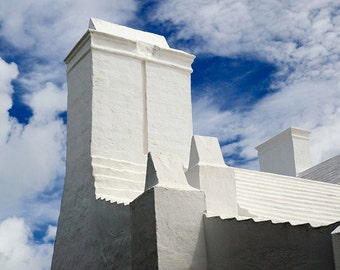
(282, 198)
(327, 171)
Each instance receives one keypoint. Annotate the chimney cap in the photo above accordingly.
(292, 131)
(128, 33)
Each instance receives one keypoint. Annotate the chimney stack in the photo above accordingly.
(287, 153)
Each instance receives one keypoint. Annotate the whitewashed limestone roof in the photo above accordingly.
(287, 199)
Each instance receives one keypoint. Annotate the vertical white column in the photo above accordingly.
(336, 247)
(145, 110)
(169, 109)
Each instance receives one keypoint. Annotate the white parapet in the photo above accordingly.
(287, 153)
(208, 172)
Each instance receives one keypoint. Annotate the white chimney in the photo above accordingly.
(287, 153)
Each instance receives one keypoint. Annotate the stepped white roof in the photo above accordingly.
(283, 198)
(116, 180)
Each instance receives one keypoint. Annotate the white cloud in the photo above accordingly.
(46, 32)
(31, 156)
(297, 105)
(50, 233)
(47, 102)
(300, 38)
(31, 159)
(18, 251)
(7, 74)
(52, 28)
(38, 212)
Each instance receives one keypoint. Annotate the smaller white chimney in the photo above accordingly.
(287, 153)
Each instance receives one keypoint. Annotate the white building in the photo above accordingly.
(141, 192)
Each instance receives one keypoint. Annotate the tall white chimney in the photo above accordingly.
(287, 153)
(128, 94)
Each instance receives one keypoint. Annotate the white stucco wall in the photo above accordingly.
(167, 219)
(117, 124)
(141, 95)
(169, 116)
(167, 230)
(86, 226)
(141, 102)
(78, 195)
(246, 244)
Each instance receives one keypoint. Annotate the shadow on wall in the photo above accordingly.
(114, 232)
(247, 244)
(196, 262)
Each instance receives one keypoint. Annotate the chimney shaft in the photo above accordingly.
(287, 153)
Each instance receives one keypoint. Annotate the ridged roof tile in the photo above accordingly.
(327, 171)
(287, 199)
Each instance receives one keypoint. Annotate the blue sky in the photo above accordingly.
(260, 67)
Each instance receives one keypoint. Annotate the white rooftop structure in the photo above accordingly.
(142, 192)
(282, 198)
(287, 153)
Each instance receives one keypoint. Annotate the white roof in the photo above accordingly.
(283, 198)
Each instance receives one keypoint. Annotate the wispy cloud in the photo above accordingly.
(300, 38)
(49, 29)
(314, 106)
(17, 249)
(31, 155)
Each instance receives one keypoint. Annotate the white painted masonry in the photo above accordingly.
(177, 231)
(282, 198)
(233, 244)
(141, 192)
(165, 170)
(208, 172)
(287, 153)
(128, 94)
